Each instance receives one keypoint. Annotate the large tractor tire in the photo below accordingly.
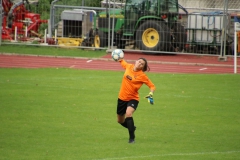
(153, 36)
(100, 39)
(179, 37)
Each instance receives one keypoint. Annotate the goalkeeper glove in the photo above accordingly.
(150, 98)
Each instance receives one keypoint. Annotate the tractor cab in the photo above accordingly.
(138, 10)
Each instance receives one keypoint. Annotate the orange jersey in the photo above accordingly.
(132, 81)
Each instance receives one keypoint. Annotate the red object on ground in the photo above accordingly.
(16, 16)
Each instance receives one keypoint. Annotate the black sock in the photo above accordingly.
(130, 126)
(124, 124)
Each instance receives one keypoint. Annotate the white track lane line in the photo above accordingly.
(173, 154)
(202, 69)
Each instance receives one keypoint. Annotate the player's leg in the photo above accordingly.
(121, 120)
(130, 123)
(132, 106)
(121, 110)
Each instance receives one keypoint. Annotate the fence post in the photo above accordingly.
(236, 31)
(113, 22)
(15, 34)
(52, 12)
(222, 56)
(1, 13)
(26, 33)
(109, 25)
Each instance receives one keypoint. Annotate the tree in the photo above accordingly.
(92, 3)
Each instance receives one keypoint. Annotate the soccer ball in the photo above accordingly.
(117, 54)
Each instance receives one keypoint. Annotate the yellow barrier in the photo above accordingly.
(63, 41)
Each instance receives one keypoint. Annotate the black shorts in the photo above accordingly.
(122, 106)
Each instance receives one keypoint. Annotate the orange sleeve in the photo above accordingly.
(123, 63)
(149, 83)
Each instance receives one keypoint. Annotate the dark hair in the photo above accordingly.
(145, 67)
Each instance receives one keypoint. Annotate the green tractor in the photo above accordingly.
(147, 24)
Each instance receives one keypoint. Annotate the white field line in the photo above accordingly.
(173, 154)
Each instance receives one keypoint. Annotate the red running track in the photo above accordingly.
(158, 64)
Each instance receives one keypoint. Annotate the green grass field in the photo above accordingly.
(51, 51)
(69, 114)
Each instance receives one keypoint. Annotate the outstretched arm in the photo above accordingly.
(152, 89)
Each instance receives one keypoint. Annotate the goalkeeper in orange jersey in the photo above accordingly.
(128, 99)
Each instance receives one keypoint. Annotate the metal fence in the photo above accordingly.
(207, 28)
